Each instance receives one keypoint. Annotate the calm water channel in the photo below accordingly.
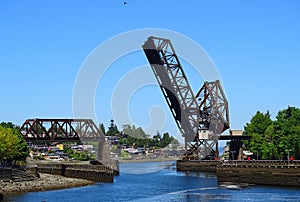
(159, 181)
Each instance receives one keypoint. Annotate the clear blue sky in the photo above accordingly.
(254, 44)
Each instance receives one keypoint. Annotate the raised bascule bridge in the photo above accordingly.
(201, 117)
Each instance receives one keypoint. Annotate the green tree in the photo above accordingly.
(140, 133)
(138, 138)
(134, 132)
(156, 140)
(257, 128)
(112, 129)
(102, 128)
(167, 139)
(275, 139)
(12, 144)
(287, 132)
(130, 140)
(157, 136)
(258, 124)
(269, 147)
(8, 125)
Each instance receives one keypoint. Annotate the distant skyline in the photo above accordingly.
(255, 46)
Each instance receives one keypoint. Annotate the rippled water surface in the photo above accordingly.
(159, 181)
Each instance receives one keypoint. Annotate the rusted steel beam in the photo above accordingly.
(61, 130)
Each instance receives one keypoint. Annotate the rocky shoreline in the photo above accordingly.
(44, 183)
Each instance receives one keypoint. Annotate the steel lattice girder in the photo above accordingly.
(60, 130)
(174, 85)
(214, 114)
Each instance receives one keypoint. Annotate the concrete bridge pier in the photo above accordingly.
(103, 151)
(103, 156)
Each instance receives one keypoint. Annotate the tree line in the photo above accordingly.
(136, 137)
(276, 139)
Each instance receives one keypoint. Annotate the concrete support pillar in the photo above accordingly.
(103, 151)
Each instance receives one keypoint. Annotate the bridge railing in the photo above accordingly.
(260, 163)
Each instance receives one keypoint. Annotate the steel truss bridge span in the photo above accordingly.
(61, 130)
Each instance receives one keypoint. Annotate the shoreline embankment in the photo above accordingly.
(96, 173)
(273, 175)
(51, 176)
(46, 182)
(262, 172)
